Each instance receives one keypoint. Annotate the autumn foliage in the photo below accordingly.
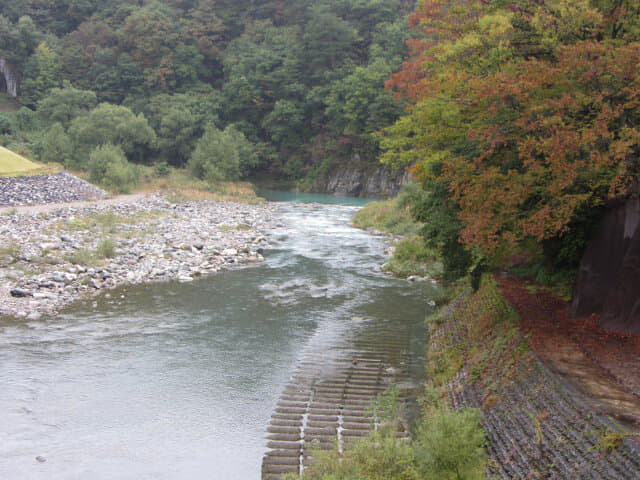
(528, 112)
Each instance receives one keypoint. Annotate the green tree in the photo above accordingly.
(450, 446)
(328, 42)
(113, 124)
(359, 103)
(206, 30)
(41, 74)
(222, 155)
(25, 119)
(261, 67)
(114, 83)
(108, 167)
(56, 145)
(18, 41)
(177, 135)
(5, 125)
(286, 124)
(64, 104)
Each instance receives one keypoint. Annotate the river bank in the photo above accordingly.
(53, 256)
(538, 425)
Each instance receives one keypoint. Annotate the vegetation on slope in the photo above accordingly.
(395, 216)
(13, 164)
(523, 123)
(446, 445)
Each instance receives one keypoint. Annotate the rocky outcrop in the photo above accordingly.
(11, 77)
(39, 189)
(608, 282)
(370, 182)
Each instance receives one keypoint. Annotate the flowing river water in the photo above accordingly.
(178, 381)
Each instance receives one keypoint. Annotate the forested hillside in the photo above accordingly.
(284, 88)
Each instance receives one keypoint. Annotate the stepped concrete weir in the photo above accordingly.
(327, 403)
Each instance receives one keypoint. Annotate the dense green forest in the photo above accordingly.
(286, 89)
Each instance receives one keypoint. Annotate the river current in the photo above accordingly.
(178, 380)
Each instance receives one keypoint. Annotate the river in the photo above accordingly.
(178, 381)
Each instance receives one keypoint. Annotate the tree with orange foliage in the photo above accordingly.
(528, 114)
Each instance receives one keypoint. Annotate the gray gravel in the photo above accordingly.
(50, 259)
(39, 189)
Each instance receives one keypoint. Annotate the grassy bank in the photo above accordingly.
(179, 186)
(12, 164)
(410, 256)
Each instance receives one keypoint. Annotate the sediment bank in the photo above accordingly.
(52, 257)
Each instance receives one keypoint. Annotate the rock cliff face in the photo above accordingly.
(11, 78)
(609, 278)
(377, 182)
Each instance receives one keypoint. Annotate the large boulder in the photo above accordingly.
(608, 282)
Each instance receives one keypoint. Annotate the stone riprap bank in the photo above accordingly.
(38, 189)
(52, 258)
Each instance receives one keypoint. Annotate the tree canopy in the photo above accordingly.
(523, 119)
(291, 76)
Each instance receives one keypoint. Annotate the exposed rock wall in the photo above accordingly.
(366, 182)
(608, 282)
(11, 77)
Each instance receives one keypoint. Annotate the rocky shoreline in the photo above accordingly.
(52, 258)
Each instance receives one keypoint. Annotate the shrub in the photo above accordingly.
(106, 249)
(450, 445)
(81, 256)
(380, 456)
(5, 125)
(222, 155)
(161, 169)
(412, 257)
(56, 145)
(109, 167)
(392, 216)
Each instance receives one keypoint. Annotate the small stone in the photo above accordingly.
(43, 295)
(21, 293)
(41, 459)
